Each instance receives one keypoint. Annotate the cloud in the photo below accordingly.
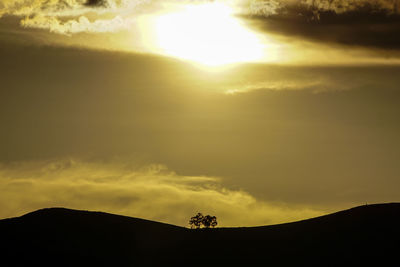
(70, 16)
(82, 24)
(151, 192)
(370, 23)
(367, 23)
(312, 8)
(75, 16)
(96, 3)
(66, 7)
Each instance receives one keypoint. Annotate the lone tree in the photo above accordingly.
(209, 221)
(196, 221)
(200, 220)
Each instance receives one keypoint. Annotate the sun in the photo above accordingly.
(208, 34)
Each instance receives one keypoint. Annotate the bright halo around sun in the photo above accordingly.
(207, 33)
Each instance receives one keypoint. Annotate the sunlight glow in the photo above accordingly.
(208, 34)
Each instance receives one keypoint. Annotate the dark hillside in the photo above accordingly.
(61, 237)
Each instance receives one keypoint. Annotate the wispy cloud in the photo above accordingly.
(82, 24)
(152, 192)
(66, 7)
(72, 16)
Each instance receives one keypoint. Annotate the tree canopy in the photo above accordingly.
(199, 220)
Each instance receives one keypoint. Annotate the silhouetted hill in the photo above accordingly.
(61, 237)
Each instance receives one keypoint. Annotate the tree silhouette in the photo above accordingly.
(209, 221)
(200, 220)
(196, 221)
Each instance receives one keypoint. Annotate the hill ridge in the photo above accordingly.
(368, 234)
(362, 208)
(65, 211)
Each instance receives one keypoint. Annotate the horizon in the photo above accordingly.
(188, 226)
(259, 112)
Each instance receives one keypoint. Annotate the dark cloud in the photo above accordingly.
(96, 3)
(361, 23)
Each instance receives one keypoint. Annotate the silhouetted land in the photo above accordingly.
(61, 237)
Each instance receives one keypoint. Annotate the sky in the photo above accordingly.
(255, 111)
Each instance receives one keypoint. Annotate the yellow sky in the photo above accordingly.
(161, 109)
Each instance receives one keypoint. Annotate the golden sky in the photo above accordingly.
(256, 111)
